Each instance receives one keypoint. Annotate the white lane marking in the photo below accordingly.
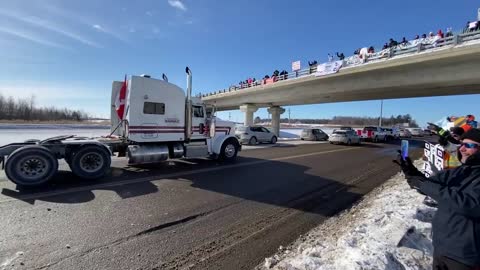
(171, 175)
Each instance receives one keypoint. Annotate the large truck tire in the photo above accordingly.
(31, 165)
(229, 150)
(90, 162)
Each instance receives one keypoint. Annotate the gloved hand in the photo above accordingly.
(443, 141)
(407, 166)
(440, 131)
(434, 127)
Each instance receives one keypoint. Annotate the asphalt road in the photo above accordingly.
(196, 214)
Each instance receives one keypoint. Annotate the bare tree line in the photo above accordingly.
(353, 121)
(25, 109)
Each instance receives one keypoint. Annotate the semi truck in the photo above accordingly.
(152, 121)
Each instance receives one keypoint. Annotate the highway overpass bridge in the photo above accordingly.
(451, 69)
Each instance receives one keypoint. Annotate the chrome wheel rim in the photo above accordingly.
(229, 150)
(91, 162)
(33, 167)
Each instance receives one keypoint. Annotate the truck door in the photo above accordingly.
(199, 119)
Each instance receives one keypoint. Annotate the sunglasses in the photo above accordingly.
(469, 145)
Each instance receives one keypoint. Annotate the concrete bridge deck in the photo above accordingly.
(447, 70)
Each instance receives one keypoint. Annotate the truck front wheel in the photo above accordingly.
(90, 162)
(229, 150)
(31, 165)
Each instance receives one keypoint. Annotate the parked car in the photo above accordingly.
(404, 133)
(348, 137)
(416, 132)
(392, 133)
(313, 134)
(254, 135)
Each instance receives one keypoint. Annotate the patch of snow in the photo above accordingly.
(9, 261)
(389, 229)
(20, 135)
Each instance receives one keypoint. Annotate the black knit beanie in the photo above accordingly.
(457, 131)
(473, 134)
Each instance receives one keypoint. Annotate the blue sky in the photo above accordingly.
(67, 53)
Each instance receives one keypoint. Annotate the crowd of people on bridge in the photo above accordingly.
(360, 55)
(472, 26)
(250, 82)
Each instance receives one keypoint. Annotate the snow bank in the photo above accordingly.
(389, 229)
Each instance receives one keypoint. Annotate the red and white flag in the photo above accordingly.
(120, 100)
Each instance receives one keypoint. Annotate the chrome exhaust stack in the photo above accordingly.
(188, 106)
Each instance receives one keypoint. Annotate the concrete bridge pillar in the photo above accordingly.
(248, 109)
(276, 111)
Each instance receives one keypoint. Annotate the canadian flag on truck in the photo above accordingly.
(120, 100)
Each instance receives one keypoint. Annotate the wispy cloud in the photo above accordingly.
(177, 4)
(149, 13)
(85, 20)
(37, 22)
(98, 27)
(31, 37)
(109, 32)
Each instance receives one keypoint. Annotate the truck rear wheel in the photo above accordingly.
(31, 165)
(90, 162)
(229, 150)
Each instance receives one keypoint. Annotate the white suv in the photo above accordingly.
(254, 135)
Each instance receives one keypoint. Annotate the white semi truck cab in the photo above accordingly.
(160, 121)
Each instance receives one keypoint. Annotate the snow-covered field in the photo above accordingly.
(10, 133)
(20, 135)
(389, 229)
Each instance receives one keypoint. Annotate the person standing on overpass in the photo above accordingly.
(456, 225)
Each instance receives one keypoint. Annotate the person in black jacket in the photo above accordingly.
(456, 225)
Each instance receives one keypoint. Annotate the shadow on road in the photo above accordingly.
(273, 182)
(77, 190)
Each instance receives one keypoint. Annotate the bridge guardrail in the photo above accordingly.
(416, 46)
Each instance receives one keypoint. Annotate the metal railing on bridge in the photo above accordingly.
(413, 47)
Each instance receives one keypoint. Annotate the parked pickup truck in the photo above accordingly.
(372, 133)
(392, 133)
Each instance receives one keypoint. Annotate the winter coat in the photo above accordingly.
(456, 225)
